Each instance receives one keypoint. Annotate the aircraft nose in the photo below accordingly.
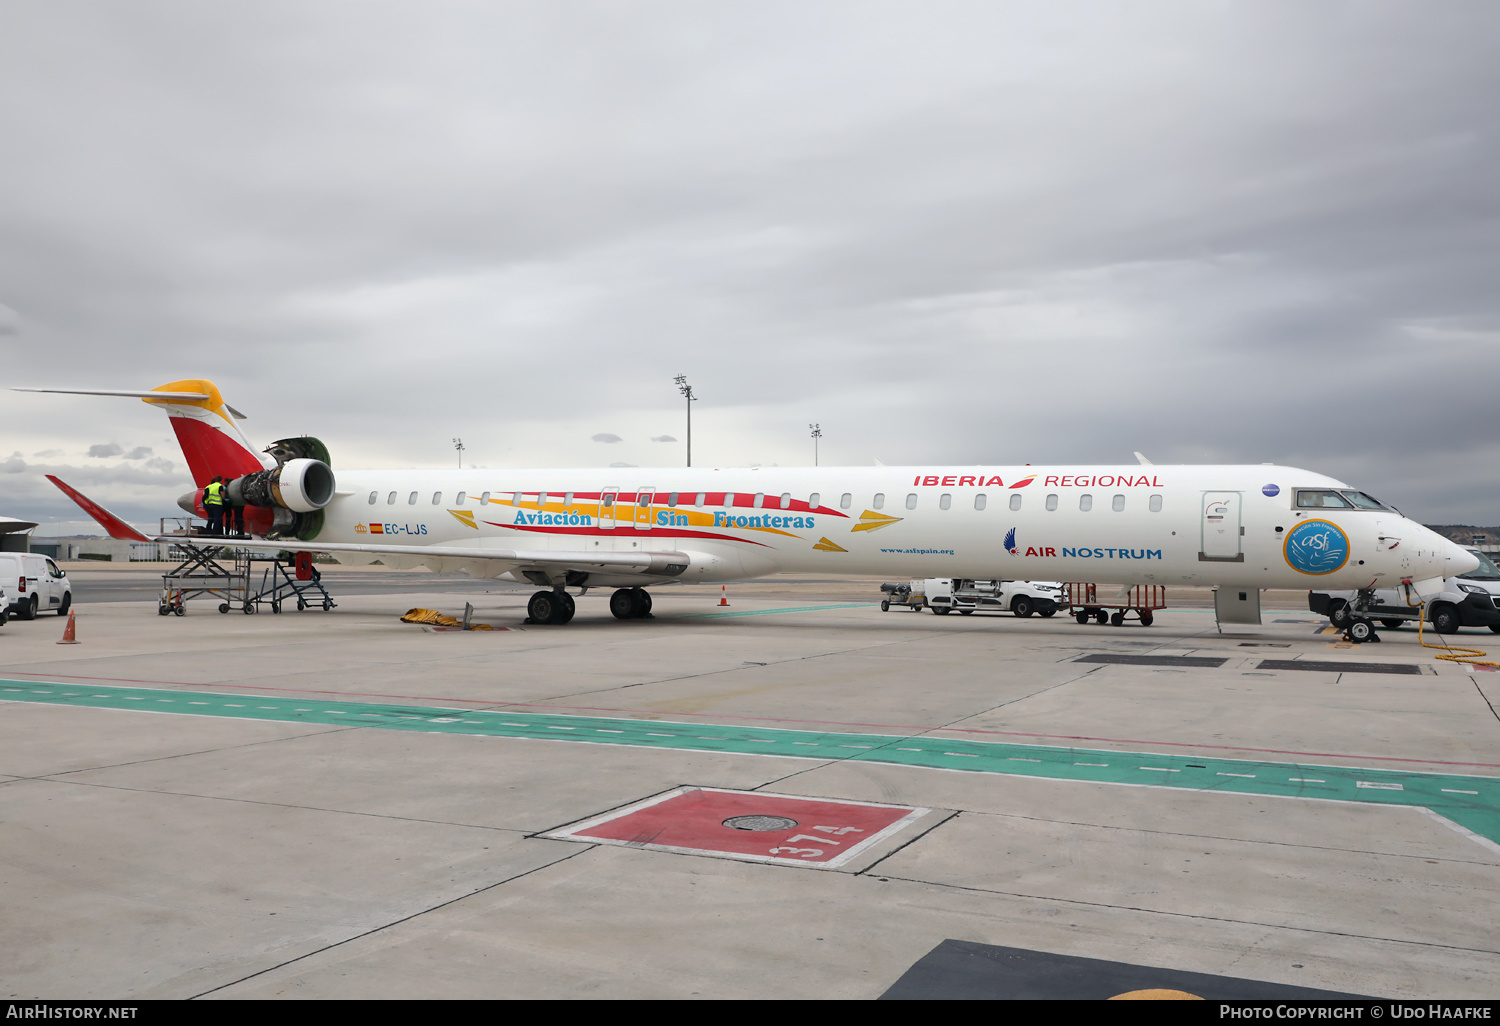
(1458, 560)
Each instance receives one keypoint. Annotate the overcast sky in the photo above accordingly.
(947, 232)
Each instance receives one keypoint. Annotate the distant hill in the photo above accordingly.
(1465, 534)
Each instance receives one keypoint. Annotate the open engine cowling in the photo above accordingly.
(300, 485)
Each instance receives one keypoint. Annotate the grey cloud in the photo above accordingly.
(47, 454)
(663, 438)
(606, 437)
(140, 452)
(105, 449)
(13, 465)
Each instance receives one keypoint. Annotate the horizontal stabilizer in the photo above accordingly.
(116, 527)
(128, 394)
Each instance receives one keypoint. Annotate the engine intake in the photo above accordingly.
(300, 485)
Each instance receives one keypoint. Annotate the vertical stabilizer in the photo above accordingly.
(211, 441)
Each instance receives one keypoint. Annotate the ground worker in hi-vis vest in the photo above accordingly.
(213, 504)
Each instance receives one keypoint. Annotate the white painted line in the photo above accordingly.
(1306, 780)
(167, 700)
(1091, 764)
(757, 740)
(856, 746)
(649, 734)
(504, 724)
(197, 703)
(813, 743)
(265, 707)
(301, 710)
(551, 727)
(899, 749)
(966, 755)
(1247, 776)
(1453, 790)
(1017, 758)
(705, 737)
(234, 705)
(602, 730)
(1158, 769)
(1378, 786)
(132, 698)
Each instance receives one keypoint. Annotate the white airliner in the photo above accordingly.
(1237, 527)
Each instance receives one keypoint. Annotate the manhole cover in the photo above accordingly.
(759, 823)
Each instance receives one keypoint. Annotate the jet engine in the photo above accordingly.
(294, 492)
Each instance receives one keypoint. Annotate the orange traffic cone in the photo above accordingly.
(723, 594)
(69, 633)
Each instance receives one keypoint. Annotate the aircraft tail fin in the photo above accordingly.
(116, 527)
(204, 423)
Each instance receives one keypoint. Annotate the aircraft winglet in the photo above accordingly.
(116, 527)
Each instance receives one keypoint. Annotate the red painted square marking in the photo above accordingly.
(691, 820)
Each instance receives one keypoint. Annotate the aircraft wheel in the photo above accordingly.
(1101, 617)
(641, 599)
(1361, 631)
(885, 605)
(1146, 618)
(542, 608)
(1082, 617)
(1021, 605)
(622, 605)
(1116, 618)
(223, 608)
(1444, 618)
(566, 607)
(1391, 625)
(1338, 613)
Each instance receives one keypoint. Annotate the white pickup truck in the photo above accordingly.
(944, 594)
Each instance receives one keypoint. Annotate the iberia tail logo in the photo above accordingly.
(1023, 482)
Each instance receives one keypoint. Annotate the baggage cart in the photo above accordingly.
(1140, 601)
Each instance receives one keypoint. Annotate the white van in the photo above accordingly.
(1472, 600)
(34, 583)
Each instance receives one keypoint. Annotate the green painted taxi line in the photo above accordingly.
(1471, 801)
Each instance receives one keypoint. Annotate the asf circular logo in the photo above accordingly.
(1316, 547)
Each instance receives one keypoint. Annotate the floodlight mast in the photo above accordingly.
(687, 392)
(817, 433)
(458, 443)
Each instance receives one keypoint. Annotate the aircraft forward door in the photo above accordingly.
(642, 508)
(1223, 533)
(607, 508)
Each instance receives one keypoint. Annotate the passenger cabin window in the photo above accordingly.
(911, 501)
(462, 498)
(373, 497)
(643, 500)
(1309, 498)
(484, 499)
(541, 500)
(846, 500)
(1156, 503)
(515, 499)
(672, 500)
(945, 501)
(760, 498)
(700, 499)
(1052, 502)
(786, 500)
(728, 500)
(390, 500)
(879, 502)
(568, 499)
(814, 500)
(411, 500)
(1118, 504)
(979, 501)
(437, 498)
(1085, 502)
(1015, 500)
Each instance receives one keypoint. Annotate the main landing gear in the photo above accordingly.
(631, 604)
(554, 607)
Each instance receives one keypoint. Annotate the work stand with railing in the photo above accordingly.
(215, 569)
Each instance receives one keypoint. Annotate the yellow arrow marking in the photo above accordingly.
(824, 545)
(463, 516)
(869, 520)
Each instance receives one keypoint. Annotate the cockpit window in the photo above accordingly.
(1312, 498)
(1487, 570)
(1363, 501)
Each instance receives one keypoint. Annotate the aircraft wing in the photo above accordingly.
(481, 562)
(116, 527)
